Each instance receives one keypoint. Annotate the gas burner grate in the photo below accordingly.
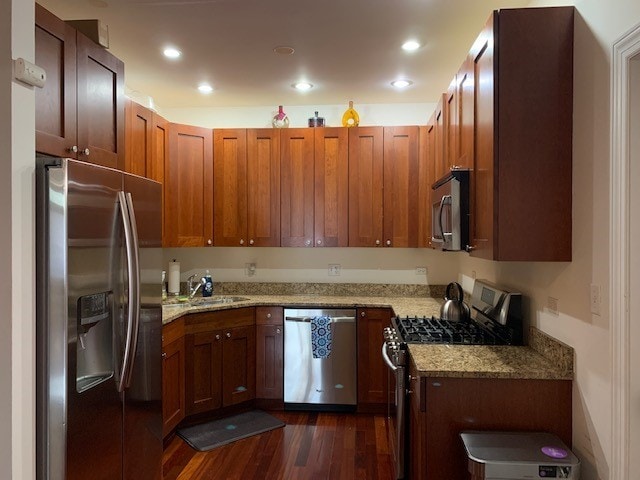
(435, 330)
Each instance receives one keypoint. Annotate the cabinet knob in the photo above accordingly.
(251, 242)
(228, 335)
(377, 242)
(73, 149)
(209, 242)
(307, 243)
(85, 152)
(318, 242)
(164, 354)
(363, 314)
(278, 331)
(268, 315)
(217, 337)
(242, 241)
(388, 242)
(469, 248)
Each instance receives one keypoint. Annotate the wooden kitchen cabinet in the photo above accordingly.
(188, 187)
(372, 371)
(220, 359)
(521, 180)
(441, 408)
(173, 380)
(270, 353)
(246, 187)
(80, 110)
(452, 124)
(426, 178)
(147, 142)
(383, 186)
(314, 187)
(440, 154)
(465, 122)
(365, 186)
(401, 185)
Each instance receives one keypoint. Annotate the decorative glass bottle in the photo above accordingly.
(280, 119)
(350, 118)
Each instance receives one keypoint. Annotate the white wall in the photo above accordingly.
(260, 117)
(5, 239)
(310, 265)
(17, 453)
(598, 25)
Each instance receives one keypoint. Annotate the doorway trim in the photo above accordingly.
(627, 47)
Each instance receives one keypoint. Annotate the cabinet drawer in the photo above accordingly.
(269, 315)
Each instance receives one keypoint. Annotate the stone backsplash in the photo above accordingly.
(325, 289)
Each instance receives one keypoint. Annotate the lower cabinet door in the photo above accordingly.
(270, 362)
(203, 372)
(239, 365)
(372, 371)
(173, 403)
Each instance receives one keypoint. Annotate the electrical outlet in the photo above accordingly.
(595, 299)
(552, 305)
(421, 270)
(334, 269)
(250, 269)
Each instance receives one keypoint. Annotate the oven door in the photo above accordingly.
(396, 425)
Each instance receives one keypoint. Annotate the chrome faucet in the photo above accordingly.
(190, 285)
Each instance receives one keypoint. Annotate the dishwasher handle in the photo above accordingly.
(331, 319)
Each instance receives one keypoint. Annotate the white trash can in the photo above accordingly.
(518, 455)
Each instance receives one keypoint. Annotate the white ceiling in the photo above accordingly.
(348, 49)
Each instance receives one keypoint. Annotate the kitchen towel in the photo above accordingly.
(321, 337)
(174, 278)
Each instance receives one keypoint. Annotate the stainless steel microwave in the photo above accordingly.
(450, 211)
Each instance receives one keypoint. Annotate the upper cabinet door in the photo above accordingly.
(100, 105)
(466, 100)
(297, 187)
(401, 183)
(263, 193)
(481, 219)
(331, 187)
(365, 186)
(426, 179)
(452, 128)
(189, 187)
(230, 187)
(138, 139)
(440, 146)
(55, 43)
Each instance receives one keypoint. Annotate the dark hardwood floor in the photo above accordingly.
(312, 446)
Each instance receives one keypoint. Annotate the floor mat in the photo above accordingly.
(219, 432)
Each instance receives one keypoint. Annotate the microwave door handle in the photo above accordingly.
(445, 199)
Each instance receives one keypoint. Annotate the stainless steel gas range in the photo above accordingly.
(496, 319)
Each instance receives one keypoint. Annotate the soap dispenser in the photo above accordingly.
(207, 291)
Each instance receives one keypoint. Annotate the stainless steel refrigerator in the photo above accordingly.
(99, 323)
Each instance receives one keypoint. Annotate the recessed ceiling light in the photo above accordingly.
(284, 50)
(410, 45)
(205, 88)
(401, 83)
(171, 52)
(302, 86)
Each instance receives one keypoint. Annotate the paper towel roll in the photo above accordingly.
(174, 278)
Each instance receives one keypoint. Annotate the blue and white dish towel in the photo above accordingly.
(321, 337)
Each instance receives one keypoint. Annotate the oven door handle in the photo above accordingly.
(387, 360)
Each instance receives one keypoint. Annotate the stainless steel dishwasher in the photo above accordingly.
(320, 366)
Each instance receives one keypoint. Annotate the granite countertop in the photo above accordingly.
(401, 305)
(484, 361)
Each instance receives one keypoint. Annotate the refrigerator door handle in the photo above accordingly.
(136, 278)
(132, 300)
